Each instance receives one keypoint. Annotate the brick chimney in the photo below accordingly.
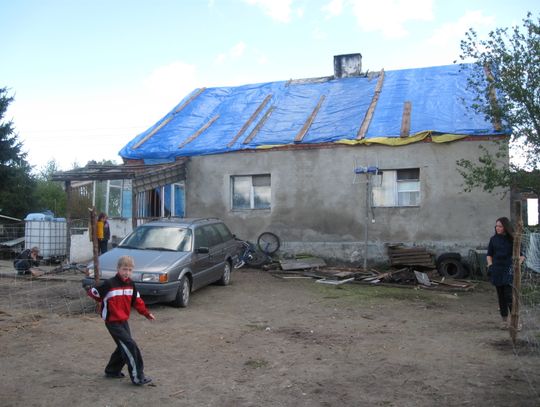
(347, 65)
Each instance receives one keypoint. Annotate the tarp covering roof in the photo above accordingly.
(363, 109)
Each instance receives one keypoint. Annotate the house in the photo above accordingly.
(338, 166)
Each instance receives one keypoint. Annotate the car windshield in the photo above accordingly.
(158, 238)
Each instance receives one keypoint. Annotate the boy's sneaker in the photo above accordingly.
(118, 375)
(144, 380)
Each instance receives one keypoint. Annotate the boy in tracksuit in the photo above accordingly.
(116, 296)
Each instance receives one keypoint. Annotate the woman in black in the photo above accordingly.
(499, 263)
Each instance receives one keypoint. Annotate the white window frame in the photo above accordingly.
(252, 192)
(386, 192)
(142, 200)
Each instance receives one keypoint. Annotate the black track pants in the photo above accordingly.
(126, 351)
(504, 294)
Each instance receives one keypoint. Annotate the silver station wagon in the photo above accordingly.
(174, 257)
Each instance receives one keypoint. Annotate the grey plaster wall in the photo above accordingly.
(317, 208)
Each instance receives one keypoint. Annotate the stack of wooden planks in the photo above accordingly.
(410, 256)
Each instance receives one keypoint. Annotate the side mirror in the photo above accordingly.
(203, 250)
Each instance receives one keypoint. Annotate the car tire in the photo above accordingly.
(451, 267)
(182, 296)
(256, 258)
(226, 276)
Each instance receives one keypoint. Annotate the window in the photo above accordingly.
(397, 188)
(162, 201)
(251, 192)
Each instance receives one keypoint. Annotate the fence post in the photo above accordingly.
(93, 231)
(516, 267)
(68, 221)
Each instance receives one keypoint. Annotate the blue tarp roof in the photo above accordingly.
(223, 119)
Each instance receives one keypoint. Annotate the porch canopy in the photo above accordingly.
(143, 176)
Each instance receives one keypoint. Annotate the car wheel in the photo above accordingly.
(182, 296)
(226, 277)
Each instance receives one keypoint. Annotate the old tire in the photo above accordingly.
(451, 267)
(256, 258)
(182, 296)
(226, 276)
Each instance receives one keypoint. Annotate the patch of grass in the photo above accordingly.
(530, 294)
(365, 294)
(256, 363)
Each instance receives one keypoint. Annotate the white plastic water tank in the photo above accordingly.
(47, 233)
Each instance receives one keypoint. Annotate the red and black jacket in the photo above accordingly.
(117, 298)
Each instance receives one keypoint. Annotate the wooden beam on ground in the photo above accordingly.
(371, 109)
(199, 132)
(406, 120)
(250, 120)
(309, 121)
(259, 125)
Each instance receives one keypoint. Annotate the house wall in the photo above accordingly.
(318, 209)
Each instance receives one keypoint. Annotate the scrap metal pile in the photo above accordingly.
(409, 267)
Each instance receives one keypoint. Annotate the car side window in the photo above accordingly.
(223, 231)
(212, 235)
(200, 238)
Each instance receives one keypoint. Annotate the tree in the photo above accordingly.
(506, 83)
(50, 194)
(16, 182)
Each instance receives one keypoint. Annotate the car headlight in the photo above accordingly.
(154, 278)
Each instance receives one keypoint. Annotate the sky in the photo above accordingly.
(87, 76)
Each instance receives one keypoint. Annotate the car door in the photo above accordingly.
(230, 247)
(201, 261)
(215, 260)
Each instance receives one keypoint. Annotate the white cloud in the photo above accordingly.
(333, 9)
(390, 16)
(279, 10)
(451, 33)
(235, 52)
(220, 59)
(95, 125)
(318, 34)
(238, 50)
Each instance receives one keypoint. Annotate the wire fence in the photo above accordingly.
(29, 298)
(530, 292)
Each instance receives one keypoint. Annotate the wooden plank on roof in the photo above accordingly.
(145, 138)
(371, 109)
(406, 120)
(309, 121)
(250, 120)
(259, 125)
(168, 119)
(199, 132)
(191, 99)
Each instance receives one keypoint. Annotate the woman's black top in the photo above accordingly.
(500, 249)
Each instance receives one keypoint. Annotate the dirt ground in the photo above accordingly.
(266, 341)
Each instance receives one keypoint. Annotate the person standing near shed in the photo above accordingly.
(103, 233)
(499, 265)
